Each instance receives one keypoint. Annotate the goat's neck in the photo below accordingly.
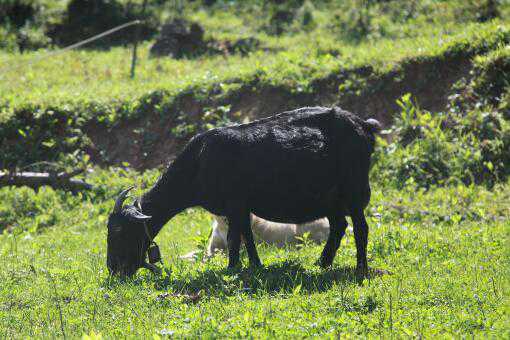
(171, 194)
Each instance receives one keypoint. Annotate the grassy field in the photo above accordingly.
(79, 78)
(446, 250)
(439, 216)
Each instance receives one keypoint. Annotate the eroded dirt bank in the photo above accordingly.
(148, 142)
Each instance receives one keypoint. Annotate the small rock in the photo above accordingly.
(165, 331)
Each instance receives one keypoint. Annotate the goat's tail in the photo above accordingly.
(372, 125)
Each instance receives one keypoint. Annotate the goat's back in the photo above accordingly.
(294, 167)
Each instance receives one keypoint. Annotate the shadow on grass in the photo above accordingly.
(287, 277)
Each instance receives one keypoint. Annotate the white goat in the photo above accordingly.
(269, 232)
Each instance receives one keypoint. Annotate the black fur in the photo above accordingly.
(294, 167)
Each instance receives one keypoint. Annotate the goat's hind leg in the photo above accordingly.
(250, 243)
(361, 237)
(337, 226)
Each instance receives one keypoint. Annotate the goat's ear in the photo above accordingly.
(372, 125)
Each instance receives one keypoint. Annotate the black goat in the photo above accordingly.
(294, 167)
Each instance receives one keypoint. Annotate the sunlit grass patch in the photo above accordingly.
(444, 251)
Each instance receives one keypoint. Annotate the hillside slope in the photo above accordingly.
(148, 130)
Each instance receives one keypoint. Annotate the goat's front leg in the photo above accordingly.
(234, 242)
(239, 222)
(337, 226)
(361, 237)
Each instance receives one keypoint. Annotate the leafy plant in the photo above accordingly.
(200, 242)
(441, 148)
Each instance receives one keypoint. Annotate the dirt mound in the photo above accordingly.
(185, 39)
(179, 38)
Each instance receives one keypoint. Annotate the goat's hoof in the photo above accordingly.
(256, 265)
(234, 267)
(361, 273)
(324, 263)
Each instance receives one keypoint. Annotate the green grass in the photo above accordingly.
(446, 249)
(79, 78)
(82, 79)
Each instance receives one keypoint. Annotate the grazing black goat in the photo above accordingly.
(294, 167)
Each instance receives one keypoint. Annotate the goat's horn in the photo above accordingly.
(120, 200)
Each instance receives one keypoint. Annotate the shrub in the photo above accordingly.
(86, 18)
(281, 15)
(489, 85)
(358, 20)
(23, 23)
(17, 12)
(30, 37)
(481, 10)
(472, 147)
(54, 135)
(8, 40)
(305, 18)
(29, 210)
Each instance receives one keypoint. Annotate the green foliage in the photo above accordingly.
(355, 22)
(489, 85)
(219, 116)
(8, 40)
(28, 211)
(482, 10)
(18, 13)
(201, 241)
(56, 132)
(65, 21)
(25, 22)
(30, 37)
(24, 209)
(305, 16)
(428, 149)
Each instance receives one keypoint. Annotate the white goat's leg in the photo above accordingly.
(218, 239)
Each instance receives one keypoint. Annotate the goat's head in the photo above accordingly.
(127, 240)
